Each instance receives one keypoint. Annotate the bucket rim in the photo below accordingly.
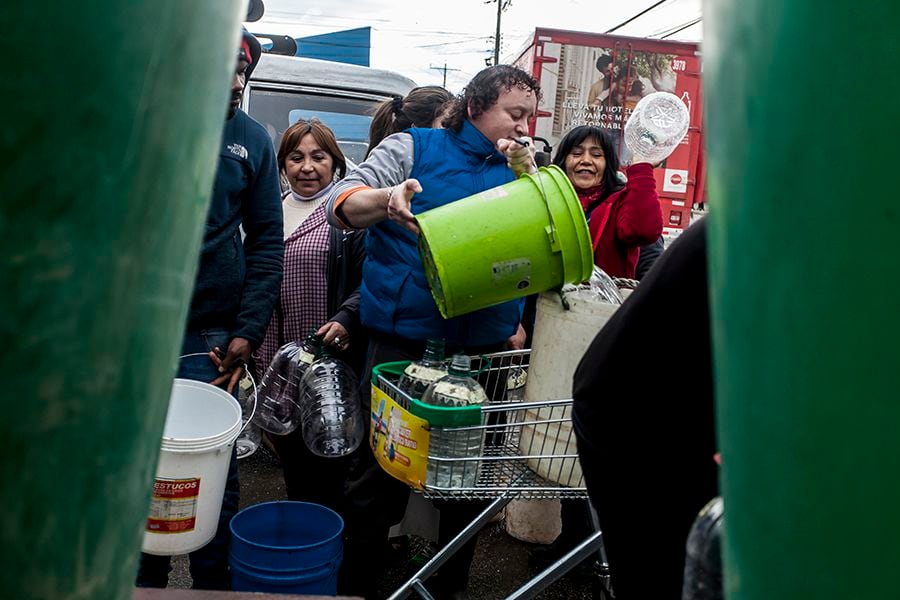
(264, 505)
(314, 575)
(579, 223)
(196, 445)
(332, 563)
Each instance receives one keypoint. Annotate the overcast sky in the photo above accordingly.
(412, 36)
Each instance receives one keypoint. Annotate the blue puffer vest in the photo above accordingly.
(394, 296)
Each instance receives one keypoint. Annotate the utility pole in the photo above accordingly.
(444, 69)
(497, 36)
(501, 6)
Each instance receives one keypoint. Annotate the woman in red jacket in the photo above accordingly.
(622, 218)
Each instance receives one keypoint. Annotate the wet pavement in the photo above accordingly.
(500, 566)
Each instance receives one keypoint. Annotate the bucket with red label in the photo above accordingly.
(202, 425)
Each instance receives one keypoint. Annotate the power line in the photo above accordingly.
(673, 30)
(682, 28)
(640, 14)
(355, 23)
(293, 13)
(466, 41)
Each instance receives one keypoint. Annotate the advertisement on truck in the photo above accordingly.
(597, 79)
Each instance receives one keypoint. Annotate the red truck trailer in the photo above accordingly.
(597, 79)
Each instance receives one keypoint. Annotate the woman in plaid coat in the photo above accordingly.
(319, 292)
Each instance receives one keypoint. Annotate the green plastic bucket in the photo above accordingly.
(521, 238)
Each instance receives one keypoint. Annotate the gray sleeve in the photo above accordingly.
(389, 163)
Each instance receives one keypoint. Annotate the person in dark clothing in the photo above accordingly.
(234, 293)
(648, 256)
(648, 454)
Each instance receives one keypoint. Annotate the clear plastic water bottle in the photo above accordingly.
(332, 418)
(277, 407)
(600, 288)
(603, 287)
(420, 374)
(656, 127)
(459, 390)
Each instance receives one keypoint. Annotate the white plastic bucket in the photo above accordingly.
(202, 425)
(561, 338)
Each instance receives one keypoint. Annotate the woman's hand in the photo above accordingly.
(335, 335)
(520, 158)
(399, 202)
(629, 159)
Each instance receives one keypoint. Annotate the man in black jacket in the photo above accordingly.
(235, 290)
(645, 427)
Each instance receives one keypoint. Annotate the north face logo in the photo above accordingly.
(237, 150)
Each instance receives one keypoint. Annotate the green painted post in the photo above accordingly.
(113, 116)
(802, 143)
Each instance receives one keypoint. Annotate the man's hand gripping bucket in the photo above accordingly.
(202, 424)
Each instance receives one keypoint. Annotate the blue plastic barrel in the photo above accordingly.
(286, 547)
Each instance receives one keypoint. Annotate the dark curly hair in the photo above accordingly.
(484, 89)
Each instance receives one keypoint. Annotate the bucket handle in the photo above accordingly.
(563, 299)
(551, 228)
(252, 382)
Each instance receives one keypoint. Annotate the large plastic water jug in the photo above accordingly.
(330, 410)
(420, 374)
(455, 390)
(656, 127)
(278, 403)
(277, 410)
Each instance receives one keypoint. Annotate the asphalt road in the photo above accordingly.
(500, 567)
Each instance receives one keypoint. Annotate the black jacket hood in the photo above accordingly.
(255, 50)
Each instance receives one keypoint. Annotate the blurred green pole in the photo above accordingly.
(802, 141)
(114, 112)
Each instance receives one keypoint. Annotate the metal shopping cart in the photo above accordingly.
(528, 452)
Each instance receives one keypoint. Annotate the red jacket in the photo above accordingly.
(625, 221)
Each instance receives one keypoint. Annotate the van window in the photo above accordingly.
(349, 118)
(351, 131)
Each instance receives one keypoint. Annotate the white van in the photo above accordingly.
(343, 96)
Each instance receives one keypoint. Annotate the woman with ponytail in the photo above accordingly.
(422, 107)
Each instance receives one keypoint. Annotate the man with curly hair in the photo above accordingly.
(406, 174)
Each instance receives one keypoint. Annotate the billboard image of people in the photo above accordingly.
(601, 86)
